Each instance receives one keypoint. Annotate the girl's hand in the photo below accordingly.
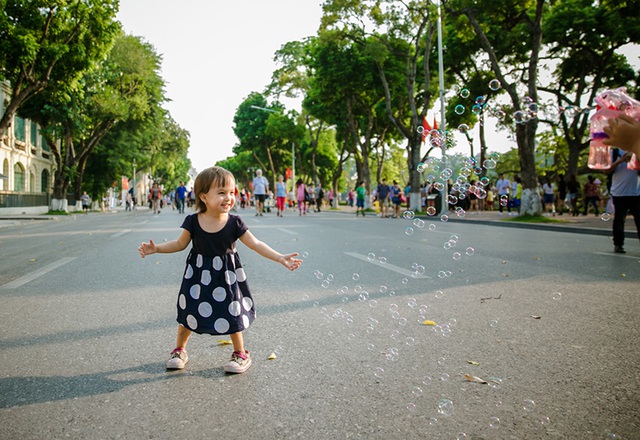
(290, 262)
(147, 249)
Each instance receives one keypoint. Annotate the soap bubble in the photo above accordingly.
(409, 215)
(355, 277)
(426, 380)
(459, 109)
(463, 128)
(494, 85)
(519, 117)
(489, 164)
(305, 254)
(605, 216)
(411, 407)
(409, 231)
(371, 256)
(445, 407)
(480, 100)
(528, 405)
(378, 372)
(494, 422)
(431, 210)
(465, 93)
(456, 256)
(470, 251)
(418, 223)
(444, 218)
(557, 296)
(476, 109)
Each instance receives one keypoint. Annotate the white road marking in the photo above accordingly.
(387, 266)
(36, 274)
(121, 233)
(287, 231)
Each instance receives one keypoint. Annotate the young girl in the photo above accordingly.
(214, 296)
(302, 195)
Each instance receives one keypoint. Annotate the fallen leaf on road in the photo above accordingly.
(474, 379)
(535, 316)
(473, 363)
(224, 342)
(33, 260)
(427, 322)
(272, 356)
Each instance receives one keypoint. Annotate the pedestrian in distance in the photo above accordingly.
(181, 197)
(281, 195)
(625, 191)
(86, 202)
(303, 197)
(503, 186)
(590, 195)
(214, 296)
(360, 196)
(260, 190)
(155, 196)
(383, 198)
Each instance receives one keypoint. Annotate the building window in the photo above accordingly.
(18, 177)
(32, 183)
(4, 183)
(19, 130)
(44, 181)
(43, 143)
(34, 134)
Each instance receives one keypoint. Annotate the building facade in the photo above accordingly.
(26, 164)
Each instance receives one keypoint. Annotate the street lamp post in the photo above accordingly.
(443, 126)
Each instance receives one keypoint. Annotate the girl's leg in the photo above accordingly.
(183, 337)
(238, 342)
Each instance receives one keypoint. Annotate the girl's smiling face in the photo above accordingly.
(220, 200)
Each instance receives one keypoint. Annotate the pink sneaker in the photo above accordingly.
(178, 359)
(239, 362)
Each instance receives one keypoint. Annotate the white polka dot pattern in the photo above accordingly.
(206, 277)
(247, 303)
(189, 272)
(192, 322)
(217, 263)
(205, 309)
(219, 294)
(199, 261)
(230, 277)
(182, 302)
(195, 291)
(240, 275)
(221, 325)
(234, 308)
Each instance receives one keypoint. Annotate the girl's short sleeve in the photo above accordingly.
(241, 227)
(187, 224)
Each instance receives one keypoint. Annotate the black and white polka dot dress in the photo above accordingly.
(214, 296)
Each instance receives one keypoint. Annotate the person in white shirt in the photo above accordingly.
(260, 188)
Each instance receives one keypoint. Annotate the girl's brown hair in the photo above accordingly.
(213, 176)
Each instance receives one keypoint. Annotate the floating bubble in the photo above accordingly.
(440, 293)
(416, 391)
(438, 186)
(432, 227)
(371, 256)
(370, 347)
(330, 277)
(470, 251)
(494, 85)
(495, 383)
(444, 218)
(459, 109)
(431, 210)
(433, 421)
(419, 223)
(462, 436)
(355, 277)
(358, 288)
(493, 323)
(325, 284)
(409, 215)
(528, 405)
(444, 377)
(557, 296)
(463, 128)
(494, 422)
(480, 100)
(441, 274)
(499, 114)
(442, 360)
(426, 380)
(411, 407)
(305, 254)
(305, 297)
(489, 164)
(519, 117)
(373, 303)
(446, 173)
(383, 289)
(445, 407)
(410, 341)
(456, 256)
(378, 372)
(465, 93)
(382, 260)
(460, 212)
(405, 281)
(476, 109)
(420, 129)
(605, 216)
(409, 231)
(545, 421)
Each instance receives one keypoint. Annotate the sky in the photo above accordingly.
(215, 53)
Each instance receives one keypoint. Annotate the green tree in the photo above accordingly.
(126, 86)
(401, 42)
(47, 42)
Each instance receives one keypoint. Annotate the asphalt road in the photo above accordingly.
(548, 319)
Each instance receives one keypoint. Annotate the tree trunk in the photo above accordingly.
(525, 137)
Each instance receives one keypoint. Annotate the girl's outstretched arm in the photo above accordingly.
(165, 248)
(287, 260)
(624, 132)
